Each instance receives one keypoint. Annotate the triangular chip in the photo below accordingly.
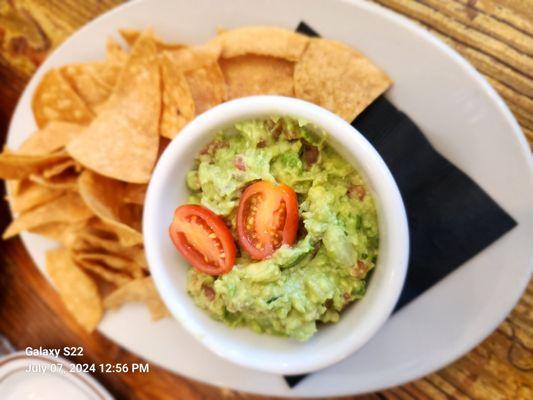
(258, 75)
(122, 141)
(193, 57)
(77, 290)
(207, 86)
(63, 232)
(262, 41)
(142, 290)
(67, 208)
(104, 197)
(115, 54)
(60, 168)
(112, 261)
(20, 166)
(54, 136)
(84, 79)
(31, 195)
(338, 78)
(55, 100)
(117, 278)
(134, 193)
(67, 180)
(178, 104)
(130, 36)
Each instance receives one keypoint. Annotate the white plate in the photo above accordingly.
(461, 114)
(46, 378)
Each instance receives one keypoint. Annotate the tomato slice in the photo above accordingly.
(267, 218)
(203, 239)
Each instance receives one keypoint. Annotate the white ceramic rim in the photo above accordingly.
(391, 213)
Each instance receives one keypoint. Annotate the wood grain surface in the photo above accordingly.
(494, 35)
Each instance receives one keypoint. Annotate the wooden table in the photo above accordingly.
(495, 35)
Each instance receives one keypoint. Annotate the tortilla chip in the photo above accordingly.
(63, 232)
(115, 54)
(31, 195)
(115, 277)
(138, 290)
(338, 78)
(122, 141)
(178, 104)
(54, 136)
(63, 175)
(60, 168)
(77, 290)
(67, 180)
(68, 208)
(130, 36)
(207, 86)
(55, 100)
(193, 57)
(104, 197)
(112, 261)
(262, 41)
(84, 79)
(253, 75)
(109, 74)
(20, 166)
(93, 240)
(134, 193)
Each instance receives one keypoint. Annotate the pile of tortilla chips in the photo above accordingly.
(80, 179)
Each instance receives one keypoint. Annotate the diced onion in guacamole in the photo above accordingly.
(326, 269)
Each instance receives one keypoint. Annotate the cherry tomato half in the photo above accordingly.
(267, 218)
(203, 239)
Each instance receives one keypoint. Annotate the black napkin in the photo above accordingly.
(451, 218)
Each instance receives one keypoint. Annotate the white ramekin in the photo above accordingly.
(332, 342)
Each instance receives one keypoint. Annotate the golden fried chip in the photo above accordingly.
(68, 208)
(262, 41)
(253, 75)
(19, 166)
(77, 290)
(338, 78)
(115, 54)
(55, 100)
(63, 175)
(31, 195)
(104, 197)
(84, 79)
(65, 181)
(65, 233)
(138, 290)
(117, 278)
(122, 141)
(130, 36)
(60, 168)
(94, 240)
(134, 193)
(112, 261)
(207, 86)
(109, 74)
(193, 57)
(178, 104)
(54, 136)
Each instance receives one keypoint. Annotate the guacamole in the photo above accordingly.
(326, 268)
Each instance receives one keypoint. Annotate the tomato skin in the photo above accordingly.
(212, 255)
(267, 218)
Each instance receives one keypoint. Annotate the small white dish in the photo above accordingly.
(332, 342)
(24, 377)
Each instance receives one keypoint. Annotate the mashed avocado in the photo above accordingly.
(326, 268)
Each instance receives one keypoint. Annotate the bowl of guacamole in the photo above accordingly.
(276, 234)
